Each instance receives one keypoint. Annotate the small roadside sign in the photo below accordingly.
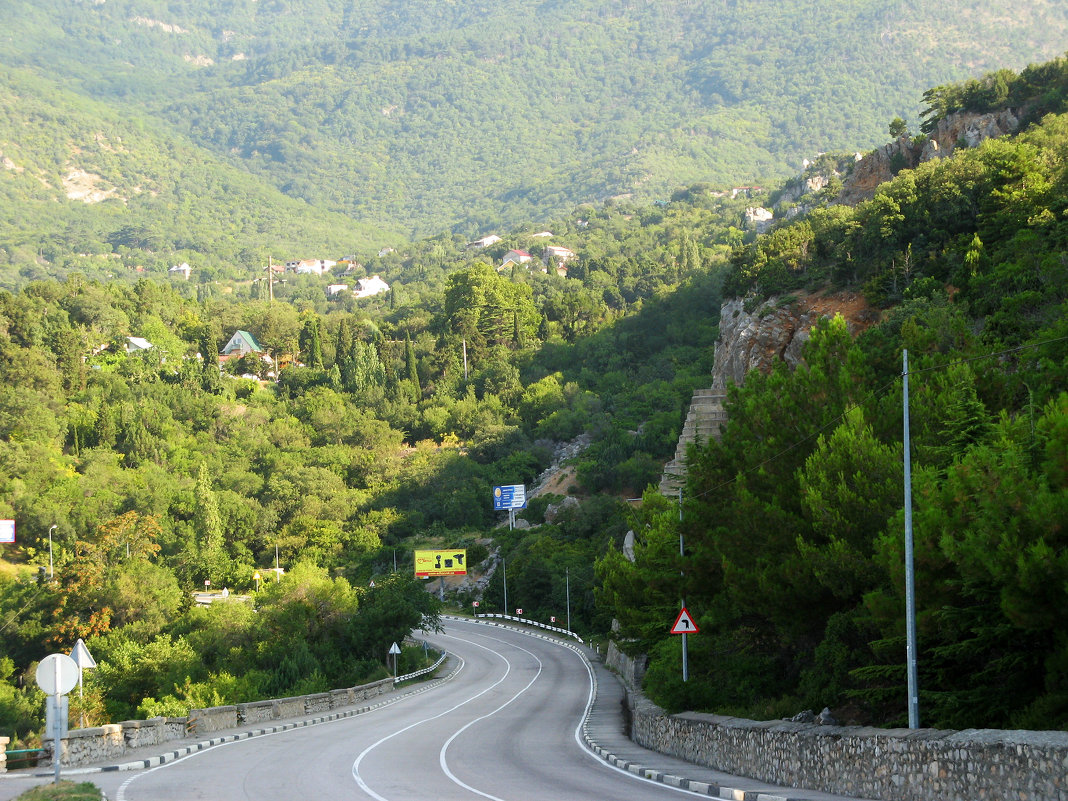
(684, 624)
(81, 655)
(7, 532)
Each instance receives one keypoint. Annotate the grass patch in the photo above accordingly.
(68, 791)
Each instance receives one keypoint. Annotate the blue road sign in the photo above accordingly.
(510, 496)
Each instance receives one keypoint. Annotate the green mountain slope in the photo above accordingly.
(473, 115)
(82, 177)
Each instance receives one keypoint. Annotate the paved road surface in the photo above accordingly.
(506, 724)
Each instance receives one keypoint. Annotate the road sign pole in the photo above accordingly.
(57, 728)
(682, 554)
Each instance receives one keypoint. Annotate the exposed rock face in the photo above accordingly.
(878, 167)
(554, 510)
(973, 129)
(758, 218)
(884, 163)
(756, 340)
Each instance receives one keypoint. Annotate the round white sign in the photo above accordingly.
(57, 670)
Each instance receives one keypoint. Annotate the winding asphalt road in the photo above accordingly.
(506, 726)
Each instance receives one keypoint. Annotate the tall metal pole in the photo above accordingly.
(57, 729)
(567, 594)
(910, 574)
(51, 574)
(682, 553)
(504, 568)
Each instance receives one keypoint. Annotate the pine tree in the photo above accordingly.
(410, 366)
(211, 552)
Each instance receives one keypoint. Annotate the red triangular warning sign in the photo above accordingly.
(684, 624)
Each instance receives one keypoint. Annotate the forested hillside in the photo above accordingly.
(472, 116)
(368, 427)
(794, 522)
(383, 441)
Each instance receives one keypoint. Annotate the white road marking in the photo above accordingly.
(356, 765)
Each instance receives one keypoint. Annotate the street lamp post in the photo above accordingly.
(51, 574)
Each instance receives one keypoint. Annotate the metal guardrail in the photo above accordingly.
(27, 755)
(536, 624)
(416, 674)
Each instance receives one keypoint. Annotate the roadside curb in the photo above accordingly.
(635, 768)
(203, 745)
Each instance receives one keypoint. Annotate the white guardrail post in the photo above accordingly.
(435, 666)
(534, 623)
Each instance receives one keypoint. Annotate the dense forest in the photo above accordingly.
(793, 521)
(135, 475)
(465, 117)
(138, 476)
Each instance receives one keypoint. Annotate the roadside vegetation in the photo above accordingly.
(135, 478)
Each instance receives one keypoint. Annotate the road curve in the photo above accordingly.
(505, 726)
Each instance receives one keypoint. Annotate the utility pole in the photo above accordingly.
(567, 594)
(682, 573)
(910, 574)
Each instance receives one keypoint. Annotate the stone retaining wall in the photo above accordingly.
(890, 764)
(216, 718)
(104, 743)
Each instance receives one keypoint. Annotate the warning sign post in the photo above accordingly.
(684, 624)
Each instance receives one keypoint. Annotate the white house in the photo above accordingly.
(182, 269)
(516, 257)
(137, 344)
(561, 254)
(485, 241)
(310, 266)
(334, 289)
(240, 343)
(368, 287)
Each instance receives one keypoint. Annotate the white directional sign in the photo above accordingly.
(684, 624)
(81, 655)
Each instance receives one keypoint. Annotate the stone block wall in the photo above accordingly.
(319, 702)
(340, 698)
(365, 691)
(890, 764)
(291, 707)
(82, 746)
(257, 711)
(216, 718)
(104, 743)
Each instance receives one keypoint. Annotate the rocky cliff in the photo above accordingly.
(776, 330)
(956, 130)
